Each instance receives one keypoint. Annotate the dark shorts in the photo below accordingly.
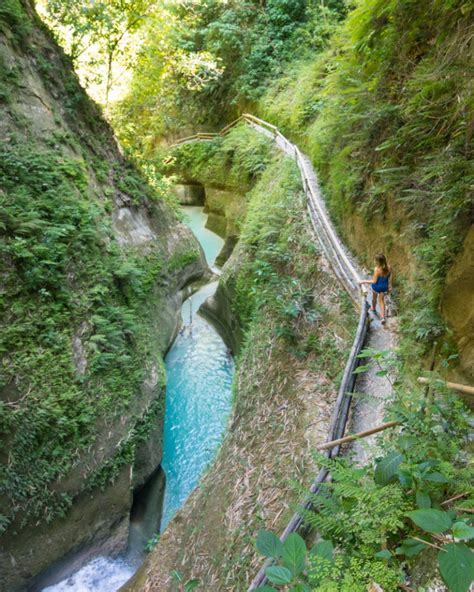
(379, 289)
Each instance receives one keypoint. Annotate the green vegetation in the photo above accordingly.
(376, 520)
(290, 319)
(143, 425)
(13, 18)
(384, 114)
(65, 280)
(267, 277)
(98, 37)
(380, 98)
(232, 162)
(76, 346)
(181, 260)
(152, 542)
(200, 62)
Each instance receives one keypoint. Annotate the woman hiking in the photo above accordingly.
(381, 283)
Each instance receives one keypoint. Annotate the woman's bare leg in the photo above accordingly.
(382, 304)
(374, 300)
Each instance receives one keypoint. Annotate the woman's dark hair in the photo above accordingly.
(381, 261)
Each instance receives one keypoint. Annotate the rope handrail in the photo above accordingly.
(345, 272)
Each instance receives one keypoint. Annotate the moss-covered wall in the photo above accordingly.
(226, 169)
(92, 262)
(386, 115)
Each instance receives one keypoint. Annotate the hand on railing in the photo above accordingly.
(363, 288)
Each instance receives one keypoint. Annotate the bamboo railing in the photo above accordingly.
(345, 271)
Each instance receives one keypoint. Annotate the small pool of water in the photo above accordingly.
(198, 401)
(195, 219)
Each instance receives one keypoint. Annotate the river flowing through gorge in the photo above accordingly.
(199, 371)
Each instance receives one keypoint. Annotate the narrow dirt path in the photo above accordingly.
(371, 391)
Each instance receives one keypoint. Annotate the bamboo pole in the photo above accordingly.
(352, 437)
(462, 388)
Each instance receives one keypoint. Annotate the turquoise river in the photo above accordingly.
(198, 401)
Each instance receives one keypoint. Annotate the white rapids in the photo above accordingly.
(100, 575)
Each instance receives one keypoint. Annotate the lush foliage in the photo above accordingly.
(200, 62)
(76, 347)
(13, 18)
(374, 520)
(385, 116)
(98, 36)
(65, 282)
(277, 269)
(233, 162)
(289, 318)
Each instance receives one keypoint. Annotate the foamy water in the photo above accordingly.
(100, 575)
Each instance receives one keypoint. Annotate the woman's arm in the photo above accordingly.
(373, 280)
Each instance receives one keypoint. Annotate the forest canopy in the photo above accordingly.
(177, 64)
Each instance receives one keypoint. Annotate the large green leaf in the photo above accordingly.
(436, 478)
(386, 468)
(294, 553)
(456, 564)
(278, 575)
(267, 589)
(268, 544)
(461, 530)
(431, 520)
(423, 500)
(410, 548)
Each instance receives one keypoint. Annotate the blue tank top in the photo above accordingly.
(381, 283)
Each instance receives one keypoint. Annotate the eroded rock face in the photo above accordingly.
(44, 114)
(97, 522)
(457, 305)
(217, 309)
(191, 194)
(226, 209)
(133, 226)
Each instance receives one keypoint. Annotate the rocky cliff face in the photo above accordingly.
(92, 268)
(457, 306)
